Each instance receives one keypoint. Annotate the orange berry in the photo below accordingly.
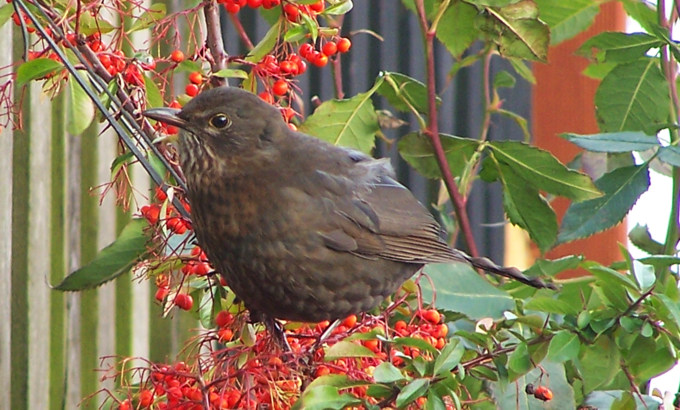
(177, 56)
(350, 321)
(191, 90)
(344, 44)
(196, 77)
(329, 48)
(280, 87)
(432, 316)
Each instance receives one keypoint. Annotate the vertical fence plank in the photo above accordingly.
(38, 314)
(5, 222)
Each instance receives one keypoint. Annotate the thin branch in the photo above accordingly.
(432, 131)
(218, 60)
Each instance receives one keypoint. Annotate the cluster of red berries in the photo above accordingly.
(234, 6)
(195, 81)
(320, 57)
(173, 221)
(27, 21)
(292, 11)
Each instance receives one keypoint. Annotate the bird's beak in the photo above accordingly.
(166, 115)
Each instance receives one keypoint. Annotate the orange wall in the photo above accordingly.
(563, 102)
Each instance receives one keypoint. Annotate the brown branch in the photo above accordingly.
(218, 57)
(432, 131)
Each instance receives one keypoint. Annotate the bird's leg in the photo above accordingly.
(326, 333)
(276, 331)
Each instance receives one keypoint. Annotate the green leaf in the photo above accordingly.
(412, 391)
(670, 155)
(90, 24)
(614, 141)
(598, 363)
(526, 208)
(231, 73)
(326, 397)
(519, 360)
(403, 92)
(295, 33)
(610, 277)
(149, 18)
(563, 346)
(265, 45)
(519, 32)
(633, 97)
(514, 396)
(448, 358)
(671, 310)
(413, 342)
(620, 47)
(548, 267)
(347, 349)
(80, 112)
(350, 123)
(112, 261)
(550, 305)
(34, 69)
(460, 289)
(153, 94)
(417, 151)
(456, 29)
(643, 13)
(338, 8)
(640, 237)
(541, 169)
(621, 188)
(610, 399)
(504, 79)
(6, 12)
(567, 18)
(386, 372)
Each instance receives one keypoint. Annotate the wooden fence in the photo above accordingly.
(50, 342)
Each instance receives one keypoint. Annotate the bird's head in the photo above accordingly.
(224, 123)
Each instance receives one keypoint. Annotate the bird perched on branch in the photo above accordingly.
(301, 229)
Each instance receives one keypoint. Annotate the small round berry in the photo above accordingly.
(280, 87)
(177, 56)
(254, 3)
(329, 48)
(223, 318)
(344, 44)
(233, 8)
(191, 90)
(267, 97)
(317, 7)
(196, 78)
(432, 316)
(318, 59)
(292, 12)
(184, 301)
(161, 294)
(350, 321)
(305, 49)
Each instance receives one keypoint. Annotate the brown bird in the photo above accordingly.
(301, 229)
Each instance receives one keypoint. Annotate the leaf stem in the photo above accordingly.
(432, 131)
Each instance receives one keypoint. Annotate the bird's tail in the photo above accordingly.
(508, 272)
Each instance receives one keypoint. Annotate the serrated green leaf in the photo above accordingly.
(119, 257)
(448, 358)
(460, 289)
(417, 151)
(403, 92)
(149, 18)
(153, 94)
(620, 47)
(347, 349)
(563, 346)
(567, 18)
(550, 305)
(386, 372)
(541, 169)
(614, 141)
(34, 69)
(621, 187)
(518, 31)
(265, 45)
(456, 29)
(633, 97)
(412, 391)
(350, 123)
(80, 111)
(526, 208)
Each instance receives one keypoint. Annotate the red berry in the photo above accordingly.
(432, 316)
(125, 405)
(223, 318)
(543, 393)
(233, 8)
(329, 48)
(292, 12)
(288, 67)
(184, 301)
(344, 44)
(254, 3)
(225, 335)
(191, 90)
(151, 213)
(161, 294)
(145, 398)
(196, 78)
(280, 87)
(268, 4)
(350, 321)
(105, 60)
(71, 38)
(318, 59)
(177, 56)
(317, 7)
(267, 97)
(400, 326)
(305, 49)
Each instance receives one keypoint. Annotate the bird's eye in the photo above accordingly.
(220, 121)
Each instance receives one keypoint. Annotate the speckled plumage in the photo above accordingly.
(301, 229)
